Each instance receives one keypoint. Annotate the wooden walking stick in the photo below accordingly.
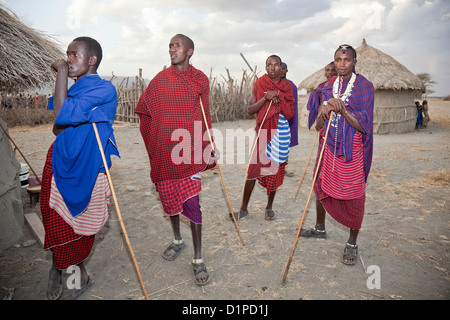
(251, 154)
(221, 175)
(15, 145)
(307, 162)
(307, 202)
(118, 209)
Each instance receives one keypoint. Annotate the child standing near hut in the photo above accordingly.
(75, 190)
(426, 116)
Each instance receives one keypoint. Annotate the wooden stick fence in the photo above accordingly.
(128, 97)
(227, 99)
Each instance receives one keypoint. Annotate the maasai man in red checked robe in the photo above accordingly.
(272, 102)
(347, 157)
(173, 129)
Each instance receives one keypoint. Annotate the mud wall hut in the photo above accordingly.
(396, 89)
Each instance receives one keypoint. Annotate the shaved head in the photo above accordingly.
(188, 42)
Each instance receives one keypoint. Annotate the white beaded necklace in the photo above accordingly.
(337, 87)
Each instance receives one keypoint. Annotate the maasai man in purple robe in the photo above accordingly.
(347, 158)
(293, 122)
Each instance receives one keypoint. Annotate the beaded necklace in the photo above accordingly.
(337, 88)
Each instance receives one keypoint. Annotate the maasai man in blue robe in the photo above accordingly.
(74, 166)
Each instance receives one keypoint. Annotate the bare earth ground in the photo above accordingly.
(405, 231)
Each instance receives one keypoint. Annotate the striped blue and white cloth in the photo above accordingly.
(278, 148)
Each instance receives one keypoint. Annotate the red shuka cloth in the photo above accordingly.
(260, 164)
(349, 210)
(68, 248)
(174, 121)
(274, 181)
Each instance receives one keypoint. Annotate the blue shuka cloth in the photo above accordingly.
(76, 157)
(278, 148)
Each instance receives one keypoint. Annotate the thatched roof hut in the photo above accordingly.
(25, 59)
(396, 89)
(25, 55)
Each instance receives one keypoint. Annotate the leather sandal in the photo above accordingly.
(350, 255)
(313, 233)
(176, 248)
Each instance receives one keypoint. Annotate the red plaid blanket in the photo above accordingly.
(68, 247)
(260, 164)
(172, 124)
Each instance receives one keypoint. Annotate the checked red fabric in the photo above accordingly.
(274, 181)
(171, 116)
(260, 165)
(174, 194)
(68, 248)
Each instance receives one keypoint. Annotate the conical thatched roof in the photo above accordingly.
(381, 69)
(25, 55)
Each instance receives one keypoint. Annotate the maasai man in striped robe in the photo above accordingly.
(173, 130)
(75, 190)
(271, 151)
(347, 158)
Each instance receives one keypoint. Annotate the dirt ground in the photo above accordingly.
(405, 234)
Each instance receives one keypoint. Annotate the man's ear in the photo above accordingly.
(92, 60)
(190, 52)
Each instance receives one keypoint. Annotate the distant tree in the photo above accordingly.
(428, 82)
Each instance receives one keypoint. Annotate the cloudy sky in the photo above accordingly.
(305, 33)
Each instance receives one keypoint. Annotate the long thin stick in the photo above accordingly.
(105, 164)
(307, 202)
(4, 130)
(251, 155)
(249, 65)
(221, 175)
(307, 162)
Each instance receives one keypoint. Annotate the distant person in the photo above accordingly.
(271, 151)
(347, 157)
(293, 122)
(314, 100)
(330, 71)
(419, 115)
(171, 103)
(426, 117)
(75, 190)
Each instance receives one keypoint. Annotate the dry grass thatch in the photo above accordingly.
(381, 69)
(25, 55)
